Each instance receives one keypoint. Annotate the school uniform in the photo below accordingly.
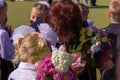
(6, 47)
(6, 54)
(25, 71)
(113, 31)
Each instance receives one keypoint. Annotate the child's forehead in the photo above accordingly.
(35, 10)
(38, 10)
(36, 14)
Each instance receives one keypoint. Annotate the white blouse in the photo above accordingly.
(25, 71)
(6, 47)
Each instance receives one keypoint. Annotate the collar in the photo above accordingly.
(115, 22)
(113, 28)
(114, 25)
(25, 65)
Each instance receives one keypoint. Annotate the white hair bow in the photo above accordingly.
(48, 33)
(44, 3)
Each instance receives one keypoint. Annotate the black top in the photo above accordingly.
(113, 32)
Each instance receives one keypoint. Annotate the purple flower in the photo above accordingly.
(94, 29)
(102, 32)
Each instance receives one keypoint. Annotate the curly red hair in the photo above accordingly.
(64, 17)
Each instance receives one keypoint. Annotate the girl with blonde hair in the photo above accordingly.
(27, 51)
(37, 14)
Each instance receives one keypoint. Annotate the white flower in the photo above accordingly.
(61, 60)
(95, 47)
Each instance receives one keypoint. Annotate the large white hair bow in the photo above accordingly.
(48, 33)
(21, 32)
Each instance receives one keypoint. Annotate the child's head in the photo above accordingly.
(65, 18)
(114, 10)
(84, 10)
(38, 10)
(30, 48)
(3, 12)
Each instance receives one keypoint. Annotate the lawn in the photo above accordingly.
(100, 14)
(18, 13)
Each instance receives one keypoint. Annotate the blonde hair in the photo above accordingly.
(30, 48)
(42, 8)
(114, 9)
(84, 10)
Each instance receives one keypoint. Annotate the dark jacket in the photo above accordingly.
(113, 32)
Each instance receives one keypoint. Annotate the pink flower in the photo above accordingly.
(70, 75)
(77, 62)
(40, 76)
(45, 69)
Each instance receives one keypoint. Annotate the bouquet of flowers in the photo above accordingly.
(90, 41)
(59, 65)
(84, 49)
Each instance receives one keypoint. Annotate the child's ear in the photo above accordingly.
(109, 13)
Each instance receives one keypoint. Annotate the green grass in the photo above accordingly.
(18, 13)
(100, 14)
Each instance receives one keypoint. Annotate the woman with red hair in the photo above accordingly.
(65, 18)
